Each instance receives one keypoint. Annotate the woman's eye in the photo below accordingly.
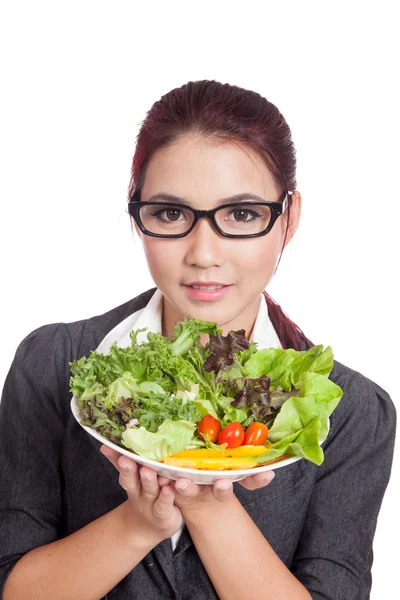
(244, 215)
(173, 214)
(170, 214)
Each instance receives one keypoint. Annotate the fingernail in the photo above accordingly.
(269, 477)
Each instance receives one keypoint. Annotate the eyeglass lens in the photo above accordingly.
(241, 219)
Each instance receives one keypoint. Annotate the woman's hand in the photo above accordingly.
(190, 496)
(162, 498)
(150, 510)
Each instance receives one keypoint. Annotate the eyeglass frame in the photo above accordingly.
(277, 209)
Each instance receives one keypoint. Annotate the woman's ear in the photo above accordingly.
(295, 213)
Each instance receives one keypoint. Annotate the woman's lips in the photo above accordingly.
(207, 295)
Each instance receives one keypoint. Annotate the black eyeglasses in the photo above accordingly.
(235, 220)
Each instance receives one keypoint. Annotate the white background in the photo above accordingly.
(77, 79)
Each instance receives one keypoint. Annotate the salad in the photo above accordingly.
(225, 405)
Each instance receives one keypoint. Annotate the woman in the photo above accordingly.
(79, 520)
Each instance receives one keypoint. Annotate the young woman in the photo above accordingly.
(213, 198)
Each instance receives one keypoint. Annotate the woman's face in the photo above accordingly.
(205, 174)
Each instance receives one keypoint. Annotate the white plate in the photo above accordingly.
(205, 477)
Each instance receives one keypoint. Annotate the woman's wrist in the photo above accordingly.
(194, 515)
(136, 534)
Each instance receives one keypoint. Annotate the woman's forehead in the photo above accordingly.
(198, 169)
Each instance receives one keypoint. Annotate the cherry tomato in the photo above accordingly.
(232, 434)
(256, 434)
(211, 426)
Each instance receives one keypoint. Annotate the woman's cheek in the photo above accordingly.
(256, 258)
(160, 256)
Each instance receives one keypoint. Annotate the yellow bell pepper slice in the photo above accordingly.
(214, 464)
(243, 451)
(198, 453)
(240, 452)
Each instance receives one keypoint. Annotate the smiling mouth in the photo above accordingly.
(207, 287)
(211, 292)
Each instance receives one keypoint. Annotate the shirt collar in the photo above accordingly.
(151, 317)
(263, 331)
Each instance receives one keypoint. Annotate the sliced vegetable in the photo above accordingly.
(240, 452)
(215, 464)
(244, 451)
(199, 453)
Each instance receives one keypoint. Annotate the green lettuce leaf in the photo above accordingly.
(303, 443)
(229, 413)
(274, 362)
(285, 367)
(318, 398)
(205, 407)
(171, 437)
(127, 387)
(187, 332)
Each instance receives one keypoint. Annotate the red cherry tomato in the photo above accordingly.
(232, 434)
(211, 426)
(256, 434)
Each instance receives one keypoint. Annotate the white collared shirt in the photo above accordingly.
(151, 317)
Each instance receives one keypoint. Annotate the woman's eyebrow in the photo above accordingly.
(177, 200)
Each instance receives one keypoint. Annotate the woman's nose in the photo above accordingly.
(204, 246)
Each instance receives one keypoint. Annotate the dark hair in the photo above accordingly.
(224, 112)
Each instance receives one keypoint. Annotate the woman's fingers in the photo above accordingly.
(151, 484)
(223, 489)
(186, 487)
(135, 481)
(149, 480)
(129, 476)
(163, 481)
(128, 470)
(164, 502)
(257, 481)
(111, 454)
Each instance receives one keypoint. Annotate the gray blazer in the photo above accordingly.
(54, 480)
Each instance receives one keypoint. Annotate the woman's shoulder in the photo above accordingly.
(87, 334)
(41, 361)
(82, 336)
(364, 407)
(355, 384)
